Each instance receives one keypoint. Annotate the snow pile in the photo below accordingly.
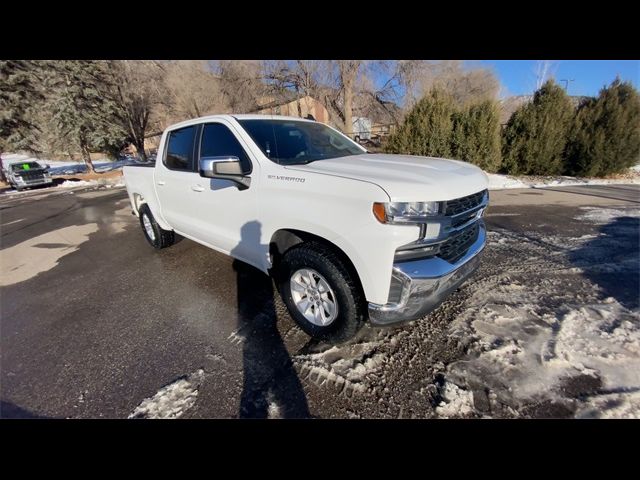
(173, 400)
(102, 182)
(501, 182)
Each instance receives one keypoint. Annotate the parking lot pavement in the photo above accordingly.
(95, 323)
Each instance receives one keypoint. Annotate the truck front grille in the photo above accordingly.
(455, 248)
(32, 176)
(463, 204)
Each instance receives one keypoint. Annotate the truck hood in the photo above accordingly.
(406, 178)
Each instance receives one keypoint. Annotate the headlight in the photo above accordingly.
(406, 212)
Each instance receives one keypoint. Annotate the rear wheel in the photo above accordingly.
(155, 235)
(320, 292)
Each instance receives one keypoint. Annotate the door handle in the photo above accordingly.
(197, 188)
(160, 182)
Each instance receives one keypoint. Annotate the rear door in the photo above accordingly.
(175, 176)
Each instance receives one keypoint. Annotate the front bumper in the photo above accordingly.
(426, 283)
(34, 182)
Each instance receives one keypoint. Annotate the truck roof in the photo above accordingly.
(243, 116)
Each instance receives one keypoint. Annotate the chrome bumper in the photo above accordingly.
(35, 182)
(426, 283)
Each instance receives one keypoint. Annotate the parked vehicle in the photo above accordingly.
(361, 129)
(347, 235)
(27, 174)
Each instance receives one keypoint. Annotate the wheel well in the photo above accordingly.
(138, 201)
(285, 239)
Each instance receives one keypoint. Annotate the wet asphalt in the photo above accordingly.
(114, 321)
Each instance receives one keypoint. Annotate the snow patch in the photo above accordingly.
(346, 367)
(527, 355)
(615, 405)
(502, 182)
(456, 402)
(274, 410)
(603, 216)
(173, 400)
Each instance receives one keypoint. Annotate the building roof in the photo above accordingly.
(228, 117)
(284, 98)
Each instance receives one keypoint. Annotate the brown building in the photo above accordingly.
(301, 107)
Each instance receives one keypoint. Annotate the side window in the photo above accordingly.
(219, 141)
(180, 149)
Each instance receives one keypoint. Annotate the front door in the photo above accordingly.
(227, 216)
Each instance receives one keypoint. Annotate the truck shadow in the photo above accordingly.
(618, 241)
(271, 387)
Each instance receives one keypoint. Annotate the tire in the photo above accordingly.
(161, 238)
(350, 315)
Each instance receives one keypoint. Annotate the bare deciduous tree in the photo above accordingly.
(465, 85)
(240, 83)
(137, 90)
(192, 90)
(348, 74)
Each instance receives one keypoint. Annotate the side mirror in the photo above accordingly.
(225, 168)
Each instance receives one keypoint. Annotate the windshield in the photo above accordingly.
(289, 142)
(16, 167)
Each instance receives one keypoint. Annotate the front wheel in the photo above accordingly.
(320, 292)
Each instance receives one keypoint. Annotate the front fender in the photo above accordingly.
(338, 210)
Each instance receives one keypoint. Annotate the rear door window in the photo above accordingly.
(179, 154)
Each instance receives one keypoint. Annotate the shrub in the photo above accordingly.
(437, 127)
(605, 138)
(476, 135)
(427, 128)
(535, 138)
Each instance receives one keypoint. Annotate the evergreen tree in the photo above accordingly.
(79, 97)
(606, 135)
(476, 135)
(534, 140)
(21, 95)
(427, 128)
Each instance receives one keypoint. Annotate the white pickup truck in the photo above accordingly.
(347, 235)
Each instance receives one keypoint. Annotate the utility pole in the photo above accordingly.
(566, 83)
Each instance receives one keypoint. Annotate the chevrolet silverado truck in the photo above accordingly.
(348, 236)
(27, 174)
